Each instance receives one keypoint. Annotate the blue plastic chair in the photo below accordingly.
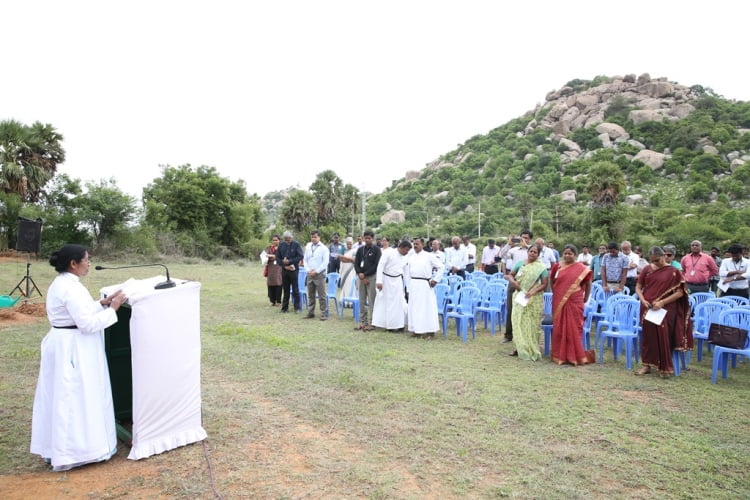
(302, 285)
(442, 296)
(725, 300)
(463, 311)
(453, 281)
(606, 315)
(732, 317)
(332, 280)
(738, 301)
(479, 274)
(622, 324)
(491, 304)
(706, 313)
(699, 298)
(547, 328)
(351, 299)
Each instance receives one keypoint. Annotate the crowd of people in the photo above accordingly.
(396, 285)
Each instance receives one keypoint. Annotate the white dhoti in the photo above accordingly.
(423, 311)
(389, 310)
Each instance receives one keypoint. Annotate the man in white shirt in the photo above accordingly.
(734, 273)
(471, 254)
(585, 256)
(490, 258)
(316, 263)
(631, 277)
(389, 310)
(456, 258)
(546, 255)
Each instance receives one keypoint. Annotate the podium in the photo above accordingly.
(160, 334)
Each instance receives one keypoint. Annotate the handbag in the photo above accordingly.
(265, 271)
(590, 355)
(727, 336)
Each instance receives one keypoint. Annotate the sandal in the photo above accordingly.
(359, 327)
(643, 371)
(368, 328)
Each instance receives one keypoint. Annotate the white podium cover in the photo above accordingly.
(166, 352)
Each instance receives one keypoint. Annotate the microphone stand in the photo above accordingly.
(159, 286)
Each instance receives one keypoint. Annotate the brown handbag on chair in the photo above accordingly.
(727, 336)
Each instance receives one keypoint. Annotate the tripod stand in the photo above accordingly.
(30, 286)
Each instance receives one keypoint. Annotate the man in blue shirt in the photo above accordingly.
(615, 266)
(316, 262)
(596, 262)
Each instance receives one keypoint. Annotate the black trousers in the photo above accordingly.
(739, 292)
(509, 307)
(630, 285)
(490, 268)
(289, 282)
(695, 288)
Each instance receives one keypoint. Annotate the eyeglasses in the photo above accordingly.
(669, 254)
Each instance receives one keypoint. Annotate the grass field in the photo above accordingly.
(314, 409)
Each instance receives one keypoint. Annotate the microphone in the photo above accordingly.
(159, 286)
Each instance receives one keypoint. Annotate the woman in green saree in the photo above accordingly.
(529, 279)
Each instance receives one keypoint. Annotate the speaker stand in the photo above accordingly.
(29, 285)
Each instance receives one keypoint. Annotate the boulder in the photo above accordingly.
(643, 79)
(411, 175)
(594, 119)
(393, 216)
(557, 111)
(647, 115)
(683, 110)
(657, 89)
(651, 158)
(735, 164)
(710, 150)
(569, 195)
(606, 142)
(637, 144)
(571, 145)
(561, 128)
(529, 129)
(587, 100)
(612, 129)
(633, 199)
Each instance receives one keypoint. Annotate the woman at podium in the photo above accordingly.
(73, 420)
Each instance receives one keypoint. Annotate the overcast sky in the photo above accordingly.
(276, 92)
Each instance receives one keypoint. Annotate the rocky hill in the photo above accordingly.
(665, 151)
(677, 147)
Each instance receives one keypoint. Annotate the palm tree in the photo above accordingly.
(327, 189)
(605, 183)
(298, 210)
(28, 158)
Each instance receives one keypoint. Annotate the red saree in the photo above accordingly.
(567, 313)
(676, 331)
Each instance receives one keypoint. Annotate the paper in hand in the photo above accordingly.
(522, 299)
(655, 316)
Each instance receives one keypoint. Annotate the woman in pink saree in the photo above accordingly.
(571, 286)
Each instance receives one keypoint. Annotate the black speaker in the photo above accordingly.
(29, 235)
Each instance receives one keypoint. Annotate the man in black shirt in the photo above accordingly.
(366, 267)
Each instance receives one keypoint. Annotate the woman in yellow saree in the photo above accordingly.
(529, 279)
